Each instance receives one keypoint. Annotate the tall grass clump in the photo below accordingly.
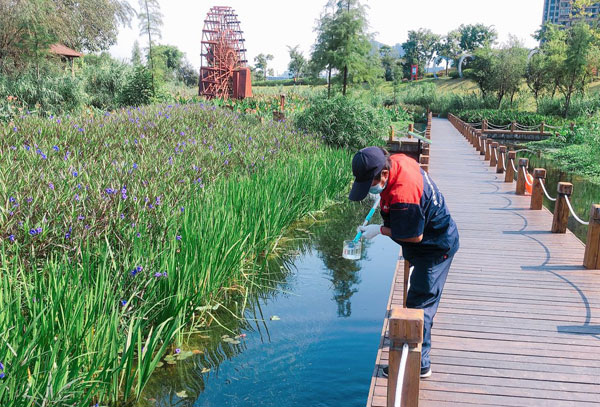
(502, 117)
(344, 121)
(118, 230)
(428, 96)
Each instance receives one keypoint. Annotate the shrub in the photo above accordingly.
(454, 74)
(104, 82)
(344, 122)
(137, 90)
(579, 107)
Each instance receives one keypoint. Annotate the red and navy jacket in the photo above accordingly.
(412, 205)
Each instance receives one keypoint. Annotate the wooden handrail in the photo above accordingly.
(591, 258)
(561, 210)
(560, 219)
(405, 327)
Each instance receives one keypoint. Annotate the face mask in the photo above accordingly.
(377, 189)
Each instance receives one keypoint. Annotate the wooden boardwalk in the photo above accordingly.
(519, 320)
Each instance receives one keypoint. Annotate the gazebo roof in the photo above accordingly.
(64, 51)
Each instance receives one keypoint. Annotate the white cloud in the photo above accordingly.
(270, 26)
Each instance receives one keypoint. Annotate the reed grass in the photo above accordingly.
(89, 307)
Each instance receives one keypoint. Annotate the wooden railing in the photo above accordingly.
(505, 162)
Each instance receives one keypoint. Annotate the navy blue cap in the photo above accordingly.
(366, 165)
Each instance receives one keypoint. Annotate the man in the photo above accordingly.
(415, 216)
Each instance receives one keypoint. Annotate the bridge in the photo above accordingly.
(519, 319)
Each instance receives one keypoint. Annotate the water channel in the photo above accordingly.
(311, 332)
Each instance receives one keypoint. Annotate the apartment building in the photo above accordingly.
(559, 11)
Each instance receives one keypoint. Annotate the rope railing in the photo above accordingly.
(496, 127)
(527, 128)
(401, 373)
(573, 212)
(512, 162)
(563, 208)
(546, 192)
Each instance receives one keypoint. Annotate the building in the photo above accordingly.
(559, 12)
(66, 54)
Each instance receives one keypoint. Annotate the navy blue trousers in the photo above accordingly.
(425, 291)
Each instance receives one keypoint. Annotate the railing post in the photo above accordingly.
(484, 125)
(493, 154)
(411, 127)
(510, 172)
(591, 258)
(561, 210)
(482, 145)
(488, 148)
(542, 128)
(523, 163)
(513, 126)
(424, 161)
(537, 194)
(501, 155)
(391, 134)
(405, 326)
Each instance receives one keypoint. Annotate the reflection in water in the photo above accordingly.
(183, 383)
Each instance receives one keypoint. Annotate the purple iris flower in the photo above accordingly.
(12, 239)
(55, 148)
(51, 186)
(123, 303)
(178, 237)
(136, 270)
(74, 173)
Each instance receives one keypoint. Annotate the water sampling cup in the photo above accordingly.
(352, 250)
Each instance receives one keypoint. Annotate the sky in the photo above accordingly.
(271, 25)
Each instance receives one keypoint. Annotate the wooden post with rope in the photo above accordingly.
(482, 144)
(488, 149)
(510, 171)
(500, 163)
(591, 258)
(391, 140)
(523, 163)
(494, 154)
(405, 327)
(537, 193)
(561, 209)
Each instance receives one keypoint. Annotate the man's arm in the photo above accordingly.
(388, 232)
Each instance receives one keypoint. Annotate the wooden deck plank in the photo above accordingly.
(519, 320)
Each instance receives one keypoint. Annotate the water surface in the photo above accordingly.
(311, 334)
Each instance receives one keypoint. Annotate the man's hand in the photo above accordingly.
(370, 231)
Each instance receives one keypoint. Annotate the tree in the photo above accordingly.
(448, 48)
(580, 60)
(150, 21)
(28, 28)
(297, 65)
(420, 48)
(388, 59)
(509, 69)
(474, 36)
(537, 75)
(323, 51)
(136, 54)
(483, 66)
(343, 43)
(261, 61)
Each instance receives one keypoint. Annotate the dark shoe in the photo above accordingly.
(425, 372)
